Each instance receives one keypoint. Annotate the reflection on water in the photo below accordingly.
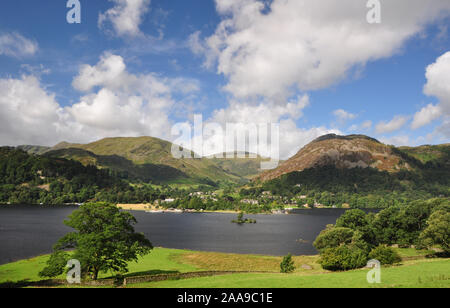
(27, 231)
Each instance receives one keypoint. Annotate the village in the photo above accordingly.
(212, 201)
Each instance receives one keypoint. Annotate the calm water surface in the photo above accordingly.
(28, 231)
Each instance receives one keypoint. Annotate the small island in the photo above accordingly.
(240, 220)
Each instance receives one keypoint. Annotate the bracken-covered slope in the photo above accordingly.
(344, 152)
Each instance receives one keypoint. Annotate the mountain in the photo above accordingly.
(122, 167)
(247, 167)
(33, 149)
(349, 152)
(149, 158)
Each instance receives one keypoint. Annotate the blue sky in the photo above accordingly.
(172, 43)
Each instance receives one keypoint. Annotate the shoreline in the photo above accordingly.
(148, 208)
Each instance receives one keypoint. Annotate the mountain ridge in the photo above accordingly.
(353, 151)
(146, 152)
(150, 159)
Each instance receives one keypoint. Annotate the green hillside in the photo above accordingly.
(429, 153)
(124, 167)
(247, 167)
(34, 149)
(141, 156)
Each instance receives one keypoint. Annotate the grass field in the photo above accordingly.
(419, 274)
(412, 273)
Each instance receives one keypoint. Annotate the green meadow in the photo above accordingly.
(263, 271)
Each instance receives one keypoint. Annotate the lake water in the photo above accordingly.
(28, 231)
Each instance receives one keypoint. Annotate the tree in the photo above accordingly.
(105, 240)
(343, 258)
(55, 265)
(353, 219)
(333, 237)
(437, 231)
(358, 220)
(287, 265)
(386, 255)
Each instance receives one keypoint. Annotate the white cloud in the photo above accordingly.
(395, 124)
(343, 116)
(307, 45)
(366, 125)
(292, 138)
(438, 85)
(426, 116)
(444, 129)
(16, 45)
(126, 104)
(28, 114)
(438, 81)
(125, 17)
(397, 141)
(116, 103)
(110, 71)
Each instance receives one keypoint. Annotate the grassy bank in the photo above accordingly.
(412, 273)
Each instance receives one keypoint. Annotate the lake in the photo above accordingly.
(28, 231)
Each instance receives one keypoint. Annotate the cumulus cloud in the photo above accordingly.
(402, 140)
(365, 126)
(125, 105)
(344, 116)
(269, 51)
(16, 45)
(292, 138)
(438, 80)
(28, 114)
(426, 116)
(444, 129)
(438, 85)
(270, 48)
(125, 17)
(395, 124)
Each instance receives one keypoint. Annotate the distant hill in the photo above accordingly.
(429, 153)
(123, 167)
(247, 167)
(149, 158)
(353, 151)
(33, 149)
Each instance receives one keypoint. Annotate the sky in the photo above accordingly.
(138, 67)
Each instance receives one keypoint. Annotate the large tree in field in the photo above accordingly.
(105, 240)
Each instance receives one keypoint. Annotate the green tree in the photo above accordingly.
(105, 241)
(287, 265)
(353, 219)
(333, 237)
(437, 231)
(358, 220)
(343, 258)
(55, 265)
(386, 255)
